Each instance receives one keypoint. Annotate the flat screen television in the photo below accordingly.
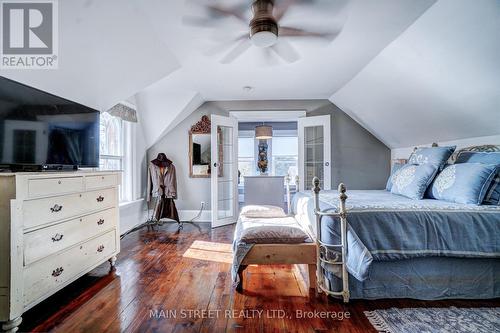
(40, 131)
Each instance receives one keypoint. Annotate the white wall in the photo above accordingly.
(160, 108)
(483, 140)
(134, 212)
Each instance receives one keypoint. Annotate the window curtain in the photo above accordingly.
(123, 112)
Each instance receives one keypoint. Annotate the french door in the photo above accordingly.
(224, 173)
(314, 152)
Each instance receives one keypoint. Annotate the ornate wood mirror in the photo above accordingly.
(200, 164)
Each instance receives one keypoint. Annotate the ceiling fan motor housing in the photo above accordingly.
(263, 26)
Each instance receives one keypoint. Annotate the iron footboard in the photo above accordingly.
(324, 251)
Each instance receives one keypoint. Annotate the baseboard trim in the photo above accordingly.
(187, 215)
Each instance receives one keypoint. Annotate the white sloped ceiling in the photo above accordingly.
(439, 81)
(106, 54)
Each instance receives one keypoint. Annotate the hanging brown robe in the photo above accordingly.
(163, 186)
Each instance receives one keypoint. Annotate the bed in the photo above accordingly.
(403, 248)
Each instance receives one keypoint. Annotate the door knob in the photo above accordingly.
(327, 163)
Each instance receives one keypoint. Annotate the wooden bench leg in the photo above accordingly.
(312, 275)
(239, 287)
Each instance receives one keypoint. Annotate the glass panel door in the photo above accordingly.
(314, 151)
(224, 170)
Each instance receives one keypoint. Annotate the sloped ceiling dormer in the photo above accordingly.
(107, 53)
(409, 71)
(439, 81)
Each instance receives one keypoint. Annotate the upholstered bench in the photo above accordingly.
(270, 237)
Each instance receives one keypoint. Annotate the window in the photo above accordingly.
(111, 145)
(246, 156)
(284, 156)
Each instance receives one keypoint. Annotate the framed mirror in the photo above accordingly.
(200, 164)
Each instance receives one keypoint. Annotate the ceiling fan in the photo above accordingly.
(265, 28)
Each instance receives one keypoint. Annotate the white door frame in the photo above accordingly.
(327, 164)
(233, 123)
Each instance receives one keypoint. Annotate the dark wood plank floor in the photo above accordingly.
(167, 273)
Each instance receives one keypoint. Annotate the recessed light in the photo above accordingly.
(247, 88)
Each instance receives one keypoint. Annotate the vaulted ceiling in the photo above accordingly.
(395, 66)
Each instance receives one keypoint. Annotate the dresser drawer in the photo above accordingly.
(48, 275)
(101, 181)
(41, 243)
(41, 211)
(54, 186)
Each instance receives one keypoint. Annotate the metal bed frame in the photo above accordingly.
(324, 253)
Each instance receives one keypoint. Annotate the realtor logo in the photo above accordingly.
(29, 34)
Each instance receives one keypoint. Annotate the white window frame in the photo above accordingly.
(128, 153)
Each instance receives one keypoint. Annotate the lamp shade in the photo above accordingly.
(263, 132)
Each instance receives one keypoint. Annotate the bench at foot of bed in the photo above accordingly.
(281, 254)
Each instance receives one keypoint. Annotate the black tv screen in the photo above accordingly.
(40, 129)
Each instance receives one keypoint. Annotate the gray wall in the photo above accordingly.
(359, 159)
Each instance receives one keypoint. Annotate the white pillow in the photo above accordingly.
(265, 211)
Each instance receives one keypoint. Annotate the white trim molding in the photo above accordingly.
(268, 115)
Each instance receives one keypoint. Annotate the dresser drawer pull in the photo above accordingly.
(57, 238)
(100, 222)
(100, 198)
(56, 208)
(100, 248)
(58, 271)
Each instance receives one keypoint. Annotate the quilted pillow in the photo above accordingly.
(272, 231)
(492, 196)
(264, 211)
(412, 180)
(395, 167)
(465, 183)
(431, 155)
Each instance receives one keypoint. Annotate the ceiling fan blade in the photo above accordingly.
(226, 11)
(281, 8)
(221, 47)
(297, 32)
(214, 12)
(238, 50)
(285, 51)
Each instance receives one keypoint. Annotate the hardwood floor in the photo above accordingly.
(162, 275)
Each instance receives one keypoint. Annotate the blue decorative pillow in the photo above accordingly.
(465, 183)
(432, 155)
(395, 167)
(479, 157)
(492, 196)
(412, 180)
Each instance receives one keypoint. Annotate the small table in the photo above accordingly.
(265, 190)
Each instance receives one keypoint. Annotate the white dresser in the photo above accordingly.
(54, 228)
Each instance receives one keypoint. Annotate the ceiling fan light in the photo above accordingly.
(264, 39)
(263, 132)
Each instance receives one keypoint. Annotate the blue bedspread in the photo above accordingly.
(385, 227)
